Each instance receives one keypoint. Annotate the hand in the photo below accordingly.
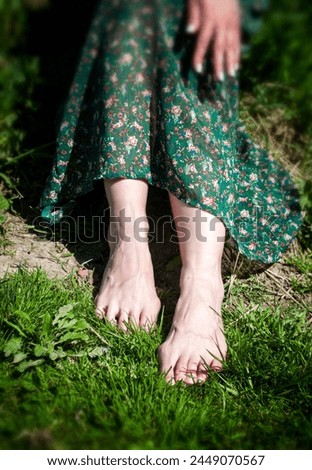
(216, 22)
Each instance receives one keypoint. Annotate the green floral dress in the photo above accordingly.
(136, 109)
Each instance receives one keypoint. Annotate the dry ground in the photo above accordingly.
(26, 248)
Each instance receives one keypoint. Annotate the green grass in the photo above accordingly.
(70, 381)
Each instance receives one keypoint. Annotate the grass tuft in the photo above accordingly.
(84, 384)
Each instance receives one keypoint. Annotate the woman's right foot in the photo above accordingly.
(127, 294)
(196, 341)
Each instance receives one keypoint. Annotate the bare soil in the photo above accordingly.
(24, 246)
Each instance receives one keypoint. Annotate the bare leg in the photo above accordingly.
(127, 292)
(196, 340)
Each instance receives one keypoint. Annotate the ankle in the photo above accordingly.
(130, 229)
(207, 276)
(202, 271)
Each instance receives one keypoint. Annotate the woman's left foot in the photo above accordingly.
(196, 341)
(127, 293)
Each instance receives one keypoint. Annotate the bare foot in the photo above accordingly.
(127, 293)
(196, 340)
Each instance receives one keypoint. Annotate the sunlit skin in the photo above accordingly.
(127, 293)
(196, 342)
(217, 25)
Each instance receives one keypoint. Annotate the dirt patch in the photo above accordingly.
(86, 260)
(23, 248)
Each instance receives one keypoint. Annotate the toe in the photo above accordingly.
(99, 311)
(134, 319)
(215, 354)
(180, 370)
(168, 371)
(216, 365)
(101, 306)
(166, 364)
(191, 375)
(145, 322)
(111, 314)
(123, 320)
(202, 373)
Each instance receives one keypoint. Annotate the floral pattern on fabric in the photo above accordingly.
(136, 109)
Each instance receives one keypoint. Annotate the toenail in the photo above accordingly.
(99, 312)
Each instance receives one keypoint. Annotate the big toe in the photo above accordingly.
(166, 365)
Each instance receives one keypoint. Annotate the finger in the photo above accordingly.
(230, 59)
(238, 38)
(219, 49)
(201, 46)
(237, 49)
(232, 55)
(193, 16)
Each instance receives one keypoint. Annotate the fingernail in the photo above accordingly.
(221, 76)
(199, 68)
(190, 29)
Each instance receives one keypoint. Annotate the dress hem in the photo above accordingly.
(66, 209)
